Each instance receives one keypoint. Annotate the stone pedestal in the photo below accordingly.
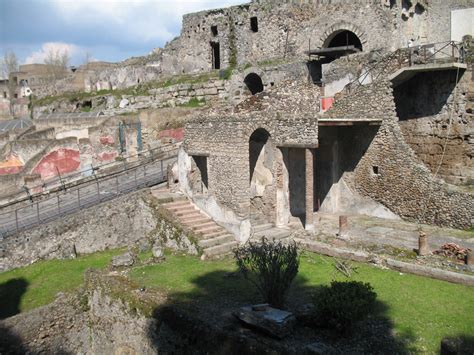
(470, 258)
(309, 218)
(343, 226)
(423, 248)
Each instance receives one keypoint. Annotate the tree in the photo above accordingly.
(57, 63)
(9, 64)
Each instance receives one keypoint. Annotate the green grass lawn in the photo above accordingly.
(37, 284)
(425, 308)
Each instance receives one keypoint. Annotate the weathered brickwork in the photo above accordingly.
(426, 106)
(390, 172)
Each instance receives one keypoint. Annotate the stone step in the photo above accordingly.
(196, 220)
(262, 227)
(212, 242)
(206, 229)
(210, 235)
(271, 234)
(220, 249)
(205, 225)
(185, 211)
(176, 204)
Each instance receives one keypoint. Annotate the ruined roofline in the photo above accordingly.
(219, 10)
(246, 5)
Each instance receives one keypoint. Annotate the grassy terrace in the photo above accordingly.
(138, 90)
(421, 309)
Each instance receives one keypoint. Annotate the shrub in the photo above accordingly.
(271, 267)
(342, 304)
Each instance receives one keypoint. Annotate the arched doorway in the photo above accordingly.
(254, 83)
(261, 156)
(343, 38)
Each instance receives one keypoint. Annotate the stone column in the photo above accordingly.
(309, 220)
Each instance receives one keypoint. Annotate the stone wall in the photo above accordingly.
(391, 173)
(131, 220)
(426, 105)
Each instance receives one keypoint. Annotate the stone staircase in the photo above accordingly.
(214, 239)
(269, 231)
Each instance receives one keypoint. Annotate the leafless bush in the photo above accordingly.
(270, 266)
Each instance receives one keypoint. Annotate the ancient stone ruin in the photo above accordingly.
(275, 116)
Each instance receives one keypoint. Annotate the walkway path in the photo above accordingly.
(398, 234)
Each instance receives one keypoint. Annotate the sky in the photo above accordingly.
(108, 30)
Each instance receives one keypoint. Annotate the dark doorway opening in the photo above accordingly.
(260, 152)
(214, 31)
(344, 38)
(216, 55)
(340, 151)
(254, 24)
(201, 178)
(254, 83)
(296, 166)
(257, 141)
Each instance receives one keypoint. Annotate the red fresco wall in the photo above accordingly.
(107, 140)
(177, 134)
(106, 156)
(64, 160)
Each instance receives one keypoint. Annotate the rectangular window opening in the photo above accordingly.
(375, 170)
(214, 31)
(4, 94)
(254, 24)
(216, 55)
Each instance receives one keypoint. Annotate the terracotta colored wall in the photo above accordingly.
(12, 165)
(177, 134)
(62, 160)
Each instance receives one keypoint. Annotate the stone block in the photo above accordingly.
(272, 321)
(123, 260)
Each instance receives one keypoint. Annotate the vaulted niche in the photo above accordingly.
(254, 83)
(343, 38)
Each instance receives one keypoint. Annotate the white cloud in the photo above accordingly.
(144, 20)
(54, 47)
(113, 29)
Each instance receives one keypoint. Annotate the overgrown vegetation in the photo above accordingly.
(138, 90)
(194, 103)
(271, 267)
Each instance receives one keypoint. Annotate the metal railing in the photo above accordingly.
(62, 182)
(68, 201)
(432, 53)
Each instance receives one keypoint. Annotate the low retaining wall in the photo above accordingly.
(360, 256)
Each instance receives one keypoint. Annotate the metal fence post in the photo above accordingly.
(38, 212)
